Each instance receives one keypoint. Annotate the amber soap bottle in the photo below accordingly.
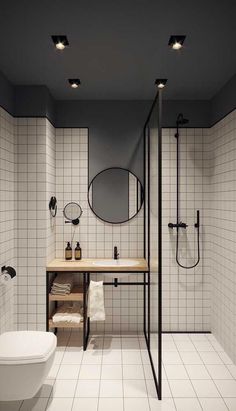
(78, 252)
(68, 252)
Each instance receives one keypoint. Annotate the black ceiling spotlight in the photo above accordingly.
(74, 82)
(176, 41)
(161, 82)
(60, 41)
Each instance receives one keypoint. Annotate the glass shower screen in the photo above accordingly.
(153, 216)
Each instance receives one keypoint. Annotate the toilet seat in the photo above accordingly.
(25, 347)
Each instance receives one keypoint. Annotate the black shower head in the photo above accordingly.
(181, 120)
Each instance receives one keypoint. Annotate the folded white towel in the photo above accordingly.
(62, 284)
(68, 312)
(96, 310)
(68, 318)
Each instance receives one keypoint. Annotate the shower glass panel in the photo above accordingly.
(153, 211)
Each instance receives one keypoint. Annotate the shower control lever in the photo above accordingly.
(178, 225)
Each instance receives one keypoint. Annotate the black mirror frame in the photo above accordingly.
(141, 202)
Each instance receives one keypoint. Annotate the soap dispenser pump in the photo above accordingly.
(78, 251)
(68, 252)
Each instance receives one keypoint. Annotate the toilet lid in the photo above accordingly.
(18, 347)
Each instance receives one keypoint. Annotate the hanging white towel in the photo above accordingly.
(96, 310)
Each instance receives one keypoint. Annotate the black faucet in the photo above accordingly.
(116, 254)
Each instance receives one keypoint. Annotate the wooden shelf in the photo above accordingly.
(64, 324)
(75, 295)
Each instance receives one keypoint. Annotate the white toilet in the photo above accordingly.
(25, 361)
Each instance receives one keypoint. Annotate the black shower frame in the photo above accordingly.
(146, 162)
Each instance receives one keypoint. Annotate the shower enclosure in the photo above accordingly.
(153, 234)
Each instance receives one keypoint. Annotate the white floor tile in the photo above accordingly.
(90, 372)
(111, 372)
(191, 358)
(219, 372)
(95, 343)
(181, 337)
(187, 404)
(112, 357)
(64, 389)
(231, 403)
(58, 356)
(111, 388)
(167, 337)
(151, 389)
(227, 388)
(232, 370)
(166, 404)
(88, 388)
(108, 404)
(131, 357)
(137, 404)
(209, 357)
(197, 372)
(169, 346)
(185, 346)
(92, 357)
(60, 404)
(113, 343)
(176, 372)
(85, 404)
(145, 356)
(148, 372)
(34, 404)
(203, 346)
(133, 372)
(171, 358)
(225, 358)
(72, 357)
(166, 392)
(181, 388)
(134, 388)
(205, 388)
(68, 372)
(10, 405)
(130, 344)
(198, 337)
(213, 404)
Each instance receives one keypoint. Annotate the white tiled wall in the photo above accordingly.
(220, 210)
(35, 174)
(8, 246)
(186, 293)
(124, 305)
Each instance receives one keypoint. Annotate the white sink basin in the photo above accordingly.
(121, 262)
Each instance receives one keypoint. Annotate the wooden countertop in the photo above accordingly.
(86, 265)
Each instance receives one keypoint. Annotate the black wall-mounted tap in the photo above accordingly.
(116, 254)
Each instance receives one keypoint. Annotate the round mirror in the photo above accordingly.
(115, 195)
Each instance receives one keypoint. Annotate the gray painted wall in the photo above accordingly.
(224, 101)
(34, 101)
(6, 94)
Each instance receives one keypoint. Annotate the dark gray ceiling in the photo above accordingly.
(118, 48)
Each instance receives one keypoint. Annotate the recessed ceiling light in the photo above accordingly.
(161, 82)
(74, 82)
(60, 42)
(176, 42)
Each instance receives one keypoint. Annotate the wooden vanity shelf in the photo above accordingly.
(75, 295)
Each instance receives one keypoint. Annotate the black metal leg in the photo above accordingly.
(88, 319)
(85, 312)
(149, 310)
(47, 301)
(144, 303)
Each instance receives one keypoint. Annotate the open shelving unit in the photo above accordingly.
(78, 293)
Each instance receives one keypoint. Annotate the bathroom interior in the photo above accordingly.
(118, 206)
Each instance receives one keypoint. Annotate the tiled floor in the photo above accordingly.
(114, 374)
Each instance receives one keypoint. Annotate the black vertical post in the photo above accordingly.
(85, 312)
(47, 301)
(160, 245)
